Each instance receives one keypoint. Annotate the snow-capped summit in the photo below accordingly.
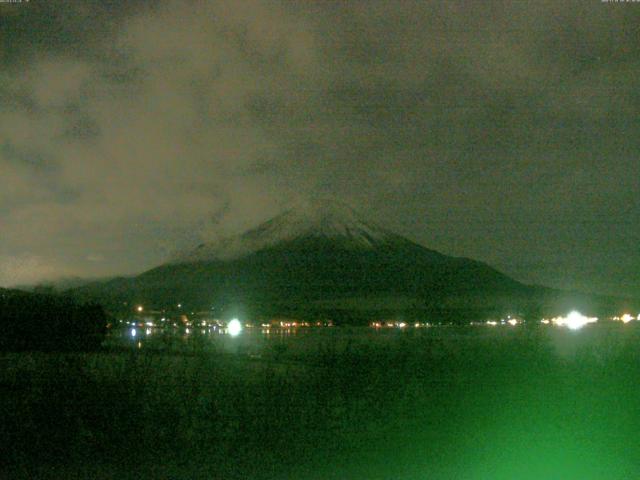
(320, 218)
(315, 218)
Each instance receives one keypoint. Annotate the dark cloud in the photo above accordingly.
(503, 131)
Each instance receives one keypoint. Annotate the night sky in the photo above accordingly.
(505, 131)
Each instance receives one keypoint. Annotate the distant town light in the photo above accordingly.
(626, 318)
(133, 332)
(234, 327)
(139, 308)
(575, 320)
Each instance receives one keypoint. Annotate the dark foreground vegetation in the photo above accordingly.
(44, 322)
(433, 404)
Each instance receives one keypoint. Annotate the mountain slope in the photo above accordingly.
(321, 219)
(316, 258)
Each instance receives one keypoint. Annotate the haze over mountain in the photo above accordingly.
(58, 285)
(323, 258)
(316, 218)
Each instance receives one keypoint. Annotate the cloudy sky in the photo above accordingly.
(506, 131)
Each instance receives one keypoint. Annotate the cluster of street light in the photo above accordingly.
(574, 321)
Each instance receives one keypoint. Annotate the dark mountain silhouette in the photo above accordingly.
(323, 259)
(32, 321)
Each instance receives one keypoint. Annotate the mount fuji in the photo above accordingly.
(322, 258)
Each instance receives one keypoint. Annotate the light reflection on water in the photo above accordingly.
(256, 340)
(213, 338)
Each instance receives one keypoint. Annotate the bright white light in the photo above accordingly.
(626, 318)
(574, 321)
(139, 308)
(493, 323)
(234, 327)
(513, 322)
(133, 332)
(402, 325)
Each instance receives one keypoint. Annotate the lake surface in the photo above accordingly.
(597, 338)
(330, 403)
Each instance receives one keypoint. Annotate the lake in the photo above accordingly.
(320, 403)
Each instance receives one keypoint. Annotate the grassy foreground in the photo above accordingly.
(501, 404)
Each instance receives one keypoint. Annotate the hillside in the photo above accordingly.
(31, 321)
